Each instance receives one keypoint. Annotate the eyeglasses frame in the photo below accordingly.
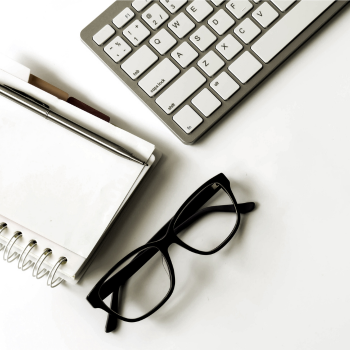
(162, 245)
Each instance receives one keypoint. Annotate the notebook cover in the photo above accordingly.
(57, 228)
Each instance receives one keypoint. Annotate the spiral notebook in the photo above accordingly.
(59, 189)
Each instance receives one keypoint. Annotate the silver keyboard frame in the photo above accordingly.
(107, 16)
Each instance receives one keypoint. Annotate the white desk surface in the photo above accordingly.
(283, 281)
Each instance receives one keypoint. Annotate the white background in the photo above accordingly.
(283, 281)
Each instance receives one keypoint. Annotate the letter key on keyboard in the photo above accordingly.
(239, 7)
(211, 63)
(229, 47)
(163, 41)
(247, 30)
(181, 25)
(265, 14)
(184, 54)
(199, 10)
(203, 38)
(221, 22)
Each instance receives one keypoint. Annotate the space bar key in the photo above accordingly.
(289, 27)
(183, 88)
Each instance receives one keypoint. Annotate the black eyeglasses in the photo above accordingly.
(140, 283)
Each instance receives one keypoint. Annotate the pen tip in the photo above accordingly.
(137, 160)
(141, 162)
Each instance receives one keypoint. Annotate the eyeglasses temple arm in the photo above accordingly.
(112, 321)
(246, 207)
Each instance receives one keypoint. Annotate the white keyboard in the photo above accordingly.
(192, 61)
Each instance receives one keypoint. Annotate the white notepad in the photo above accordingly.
(57, 187)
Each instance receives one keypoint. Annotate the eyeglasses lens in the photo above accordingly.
(214, 221)
(145, 288)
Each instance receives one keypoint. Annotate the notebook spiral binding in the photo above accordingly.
(25, 265)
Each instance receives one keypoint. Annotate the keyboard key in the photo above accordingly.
(179, 91)
(217, 2)
(245, 67)
(203, 38)
(139, 5)
(283, 4)
(224, 85)
(265, 14)
(117, 49)
(155, 16)
(256, 1)
(184, 54)
(247, 30)
(199, 10)
(173, 5)
(163, 41)
(159, 77)
(229, 47)
(103, 35)
(239, 7)
(181, 25)
(206, 102)
(288, 28)
(139, 62)
(187, 119)
(123, 18)
(136, 32)
(221, 22)
(211, 63)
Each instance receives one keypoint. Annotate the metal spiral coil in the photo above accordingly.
(6, 255)
(3, 226)
(24, 264)
(50, 279)
(36, 269)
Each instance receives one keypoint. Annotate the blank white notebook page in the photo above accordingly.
(57, 183)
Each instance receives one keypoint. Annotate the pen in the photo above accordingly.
(43, 109)
(22, 72)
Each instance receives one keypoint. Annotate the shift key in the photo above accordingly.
(183, 88)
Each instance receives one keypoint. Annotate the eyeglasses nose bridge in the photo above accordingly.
(169, 239)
